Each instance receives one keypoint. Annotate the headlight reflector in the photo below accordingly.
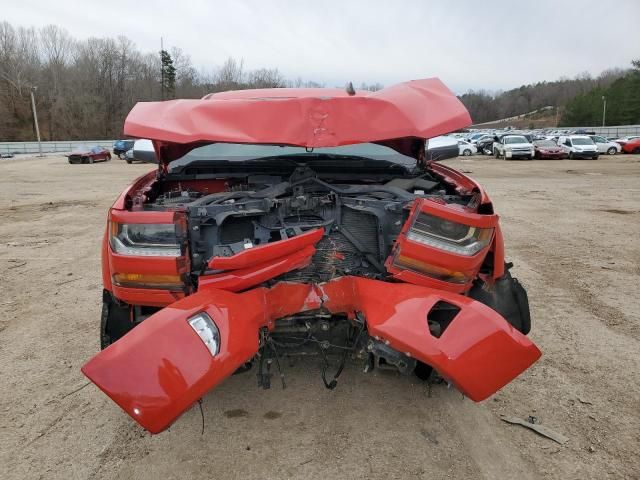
(145, 239)
(449, 236)
(207, 330)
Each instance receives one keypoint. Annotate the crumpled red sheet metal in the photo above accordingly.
(419, 109)
(160, 368)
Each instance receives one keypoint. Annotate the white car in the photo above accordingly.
(465, 148)
(579, 146)
(513, 146)
(606, 146)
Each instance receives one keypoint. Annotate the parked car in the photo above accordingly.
(485, 145)
(474, 136)
(632, 146)
(606, 146)
(629, 138)
(513, 146)
(548, 149)
(121, 147)
(579, 146)
(254, 240)
(466, 149)
(441, 148)
(142, 151)
(128, 156)
(481, 138)
(83, 154)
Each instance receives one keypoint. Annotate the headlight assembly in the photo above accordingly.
(145, 239)
(449, 236)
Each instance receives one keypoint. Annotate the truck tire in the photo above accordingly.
(507, 297)
(115, 320)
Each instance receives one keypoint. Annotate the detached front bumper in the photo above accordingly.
(162, 367)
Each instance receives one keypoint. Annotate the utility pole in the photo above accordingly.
(161, 71)
(604, 109)
(35, 119)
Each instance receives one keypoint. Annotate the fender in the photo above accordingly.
(162, 367)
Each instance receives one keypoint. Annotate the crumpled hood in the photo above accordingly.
(401, 116)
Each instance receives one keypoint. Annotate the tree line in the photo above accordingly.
(85, 88)
(486, 106)
(622, 98)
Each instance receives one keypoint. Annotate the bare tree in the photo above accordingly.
(231, 74)
(265, 78)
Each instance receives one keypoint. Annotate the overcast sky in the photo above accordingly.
(468, 44)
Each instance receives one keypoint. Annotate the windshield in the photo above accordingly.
(241, 152)
(582, 141)
(509, 140)
(545, 143)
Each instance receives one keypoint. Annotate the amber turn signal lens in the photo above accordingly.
(433, 271)
(140, 280)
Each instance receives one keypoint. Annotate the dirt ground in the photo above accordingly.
(572, 229)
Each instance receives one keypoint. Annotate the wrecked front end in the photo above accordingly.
(215, 265)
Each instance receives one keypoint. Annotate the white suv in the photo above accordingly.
(513, 146)
(579, 146)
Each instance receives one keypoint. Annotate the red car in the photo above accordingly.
(632, 146)
(548, 149)
(300, 221)
(84, 154)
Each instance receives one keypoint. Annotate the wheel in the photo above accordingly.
(529, 157)
(611, 151)
(84, 160)
(108, 158)
(496, 153)
(128, 161)
(570, 155)
(636, 150)
(70, 162)
(466, 152)
(115, 321)
(507, 297)
(595, 157)
(487, 151)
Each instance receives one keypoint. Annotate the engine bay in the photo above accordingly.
(361, 218)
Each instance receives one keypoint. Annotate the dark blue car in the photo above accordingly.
(120, 147)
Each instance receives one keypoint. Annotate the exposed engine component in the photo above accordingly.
(360, 222)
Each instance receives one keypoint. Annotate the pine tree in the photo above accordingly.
(168, 81)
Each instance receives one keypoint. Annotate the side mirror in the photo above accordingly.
(143, 151)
